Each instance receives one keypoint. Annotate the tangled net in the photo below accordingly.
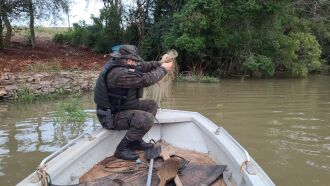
(162, 89)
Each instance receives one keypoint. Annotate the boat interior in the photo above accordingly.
(174, 166)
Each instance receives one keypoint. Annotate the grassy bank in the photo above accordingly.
(25, 95)
(197, 79)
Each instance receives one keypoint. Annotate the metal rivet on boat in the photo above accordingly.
(217, 132)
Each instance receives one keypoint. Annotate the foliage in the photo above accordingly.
(29, 11)
(101, 36)
(195, 78)
(70, 111)
(260, 64)
(218, 38)
(24, 95)
(300, 53)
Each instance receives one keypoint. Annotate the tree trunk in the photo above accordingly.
(69, 20)
(141, 21)
(31, 13)
(1, 29)
(9, 31)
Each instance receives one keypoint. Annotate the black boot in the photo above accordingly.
(124, 152)
(141, 145)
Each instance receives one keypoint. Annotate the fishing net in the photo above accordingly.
(162, 89)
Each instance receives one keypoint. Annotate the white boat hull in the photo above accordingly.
(182, 129)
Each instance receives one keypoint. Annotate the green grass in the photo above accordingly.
(195, 78)
(40, 31)
(24, 95)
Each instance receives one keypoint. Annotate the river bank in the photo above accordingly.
(15, 85)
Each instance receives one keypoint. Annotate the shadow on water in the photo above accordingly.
(284, 124)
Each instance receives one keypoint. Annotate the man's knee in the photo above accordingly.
(152, 106)
(145, 120)
(148, 120)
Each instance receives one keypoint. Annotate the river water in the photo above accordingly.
(283, 123)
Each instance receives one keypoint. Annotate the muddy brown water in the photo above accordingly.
(283, 123)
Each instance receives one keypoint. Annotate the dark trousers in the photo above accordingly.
(137, 122)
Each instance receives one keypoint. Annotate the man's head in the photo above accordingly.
(129, 53)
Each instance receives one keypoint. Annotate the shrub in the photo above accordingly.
(59, 38)
(260, 64)
(300, 53)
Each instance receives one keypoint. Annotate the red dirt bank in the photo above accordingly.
(18, 57)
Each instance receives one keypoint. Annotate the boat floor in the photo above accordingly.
(196, 168)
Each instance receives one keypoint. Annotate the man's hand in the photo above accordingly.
(166, 59)
(168, 66)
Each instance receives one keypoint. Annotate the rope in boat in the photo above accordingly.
(130, 169)
(43, 176)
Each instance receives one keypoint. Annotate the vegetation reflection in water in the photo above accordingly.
(30, 132)
(284, 124)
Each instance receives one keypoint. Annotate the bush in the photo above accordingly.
(59, 38)
(300, 53)
(195, 78)
(259, 64)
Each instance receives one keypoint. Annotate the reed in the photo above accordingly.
(162, 89)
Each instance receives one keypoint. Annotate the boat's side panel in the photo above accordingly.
(72, 164)
(225, 149)
(184, 135)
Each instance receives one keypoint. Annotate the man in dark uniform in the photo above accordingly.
(117, 92)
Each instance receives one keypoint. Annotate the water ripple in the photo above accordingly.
(295, 113)
(305, 127)
(326, 147)
(302, 119)
(276, 122)
(317, 165)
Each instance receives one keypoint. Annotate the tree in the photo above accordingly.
(197, 32)
(9, 30)
(218, 37)
(1, 30)
(316, 13)
(44, 10)
(8, 9)
(31, 15)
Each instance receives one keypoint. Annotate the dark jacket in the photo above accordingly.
(120, 86)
